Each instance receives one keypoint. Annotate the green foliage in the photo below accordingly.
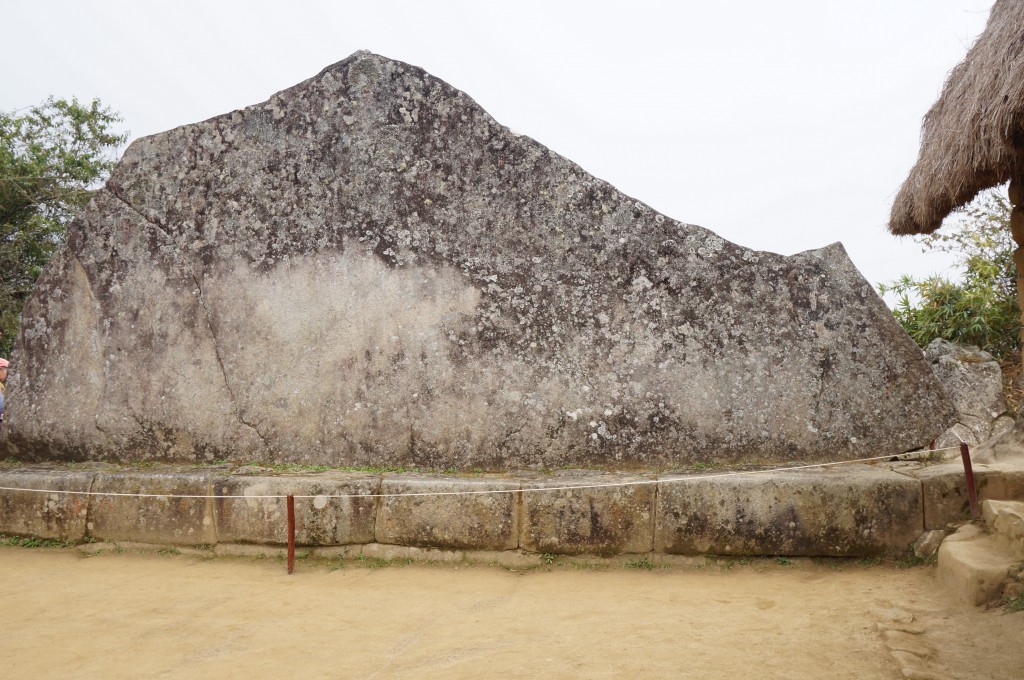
(640, 563)
(298, 467)
(909, 560)
(710, 465)
(381, 562)
(32, 542)
(52, 157)
(981, 307)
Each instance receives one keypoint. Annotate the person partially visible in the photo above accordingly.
(4, 364)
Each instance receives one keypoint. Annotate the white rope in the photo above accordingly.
(554, 487)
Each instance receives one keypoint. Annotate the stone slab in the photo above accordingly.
(901, 641)
(156, 518)
(855, 510)
(479, 521)
(401, 553)
(251, 550)
(119, 547)
(329, 517)
(59, 516)
(604, 520)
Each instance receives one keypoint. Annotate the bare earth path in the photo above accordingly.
(145, 615)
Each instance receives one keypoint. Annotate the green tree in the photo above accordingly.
(980, 308)
(52, 158)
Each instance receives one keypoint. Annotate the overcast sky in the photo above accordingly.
(782, 126)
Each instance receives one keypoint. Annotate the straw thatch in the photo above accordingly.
(973, 136)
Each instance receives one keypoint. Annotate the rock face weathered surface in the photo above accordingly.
(973, 380)
(368, 269)
(857, 510)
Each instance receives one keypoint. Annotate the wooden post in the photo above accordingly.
(1018, 261)
(291, 534)
(972, 490)
(1016, 194)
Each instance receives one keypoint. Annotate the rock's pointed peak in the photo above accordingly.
(367, 58)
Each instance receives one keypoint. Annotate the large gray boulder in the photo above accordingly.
(367, 269)
(973, 380)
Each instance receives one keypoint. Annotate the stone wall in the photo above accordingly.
(856, 510)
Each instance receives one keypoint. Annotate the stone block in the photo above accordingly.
(927, 544)
(1005, 519)
(944, 489)
(855, 510)
(602, 520)
(325, 512)
(51, 515)
(944, 492)
(442, 518)
(974, 568)
(1000, 483)
(161, 516)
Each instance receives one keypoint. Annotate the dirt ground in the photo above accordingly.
(149, 615)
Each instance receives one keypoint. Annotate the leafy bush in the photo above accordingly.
(52, 158)
(980, 308)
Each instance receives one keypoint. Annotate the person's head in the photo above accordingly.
(4, 363)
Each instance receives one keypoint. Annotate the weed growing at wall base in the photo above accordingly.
(31, 542)
(1014, 604)
(640, 563)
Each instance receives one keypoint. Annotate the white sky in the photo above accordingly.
(782, 125)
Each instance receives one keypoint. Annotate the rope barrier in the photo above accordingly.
(555, 487)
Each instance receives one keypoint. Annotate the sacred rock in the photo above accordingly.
(369, 270)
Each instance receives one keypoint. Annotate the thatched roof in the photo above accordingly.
(973, 136)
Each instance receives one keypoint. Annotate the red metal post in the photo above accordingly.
(972, 494)
(291, 533)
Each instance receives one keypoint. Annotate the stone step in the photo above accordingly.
(974, 565)
(1005, 519)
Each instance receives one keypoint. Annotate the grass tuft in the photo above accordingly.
(33, 542)
(640, 563)
(1014, 604)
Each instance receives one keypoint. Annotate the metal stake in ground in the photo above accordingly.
(972, 494)
(291, 533)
